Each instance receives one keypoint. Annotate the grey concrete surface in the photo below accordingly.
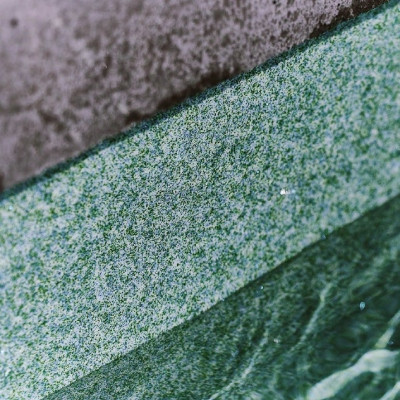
(73, 72)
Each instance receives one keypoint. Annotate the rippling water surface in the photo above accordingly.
(324, 325)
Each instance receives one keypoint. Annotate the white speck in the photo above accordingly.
(261, 287)
(276, 340)
(362, 306)
(284, 192)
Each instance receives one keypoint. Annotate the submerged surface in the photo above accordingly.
(148, 231)
(325, 324)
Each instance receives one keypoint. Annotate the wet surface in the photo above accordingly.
(150, 230)
(324, 325)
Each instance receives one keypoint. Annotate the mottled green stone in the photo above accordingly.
(146, 232)
(297, 332)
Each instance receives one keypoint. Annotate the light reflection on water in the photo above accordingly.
(325, 324)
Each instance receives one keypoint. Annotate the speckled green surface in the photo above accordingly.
(285, 335)
(148, 231)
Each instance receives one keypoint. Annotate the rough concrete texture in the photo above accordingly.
(147, 231)
(74, 71)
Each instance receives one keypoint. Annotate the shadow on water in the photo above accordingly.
(277, 337)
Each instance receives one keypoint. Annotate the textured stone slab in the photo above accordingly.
(147, 231)
(325, 324)
(76, 71)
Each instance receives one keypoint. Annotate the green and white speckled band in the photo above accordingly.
(147, 231)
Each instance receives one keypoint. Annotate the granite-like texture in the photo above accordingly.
(294, 333)
(149, 230)
(76, 71)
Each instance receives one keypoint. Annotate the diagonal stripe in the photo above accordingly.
(148, 231)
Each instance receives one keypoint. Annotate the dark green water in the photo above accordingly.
(326, 324)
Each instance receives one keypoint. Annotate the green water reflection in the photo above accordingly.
(326, 324)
